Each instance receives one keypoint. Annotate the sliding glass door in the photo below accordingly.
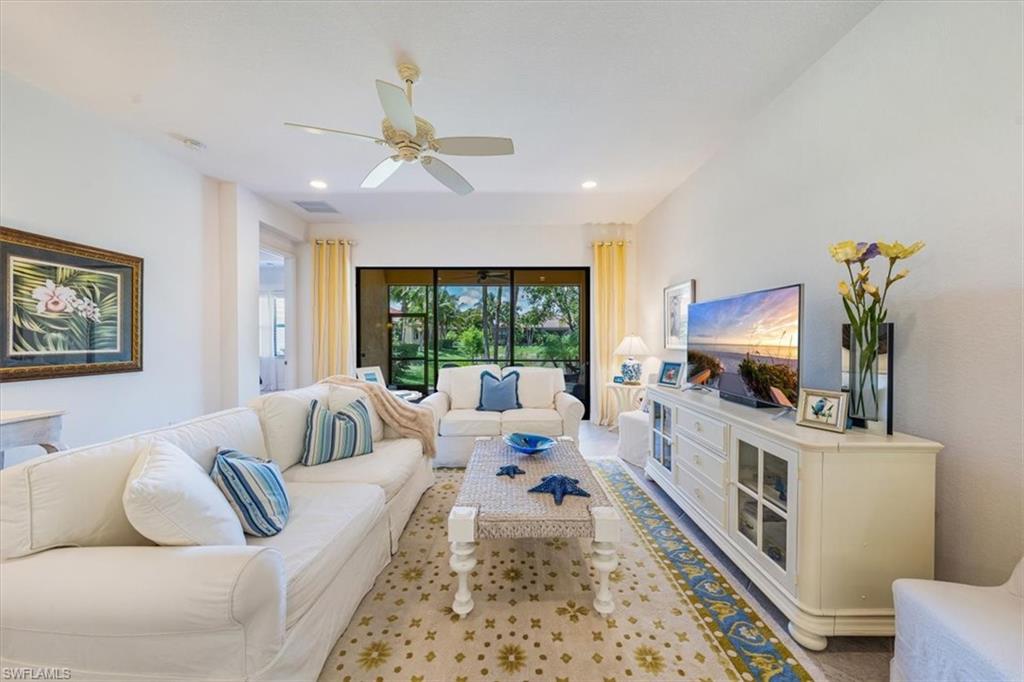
(414, 321)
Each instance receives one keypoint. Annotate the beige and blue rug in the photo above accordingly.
(677, 616)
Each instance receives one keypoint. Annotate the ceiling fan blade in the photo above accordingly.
(396, 107)
(475, 146)
(446, 175)
(317, 130)
(381, 172)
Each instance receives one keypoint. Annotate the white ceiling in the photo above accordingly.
(633, 94)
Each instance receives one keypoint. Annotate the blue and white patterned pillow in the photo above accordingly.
(337, 435)
(254, 489)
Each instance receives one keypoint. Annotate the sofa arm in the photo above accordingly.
(571, 410)
(180, 612)
(439, 403)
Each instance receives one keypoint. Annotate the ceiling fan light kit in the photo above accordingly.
(409, 136)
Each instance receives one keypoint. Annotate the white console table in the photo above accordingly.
(821, 522)
(30, 427)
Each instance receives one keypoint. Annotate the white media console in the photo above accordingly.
(821, 522)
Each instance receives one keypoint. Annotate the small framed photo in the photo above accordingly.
(671, 374)
(821, 409)
(372, 375)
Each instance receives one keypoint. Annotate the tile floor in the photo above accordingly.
(847, 659)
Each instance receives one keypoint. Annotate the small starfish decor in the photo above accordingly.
(511, 471)
(559, 486)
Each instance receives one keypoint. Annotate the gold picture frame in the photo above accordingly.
(69, 309)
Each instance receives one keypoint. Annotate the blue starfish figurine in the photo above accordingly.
(559, 486)
(511, 470)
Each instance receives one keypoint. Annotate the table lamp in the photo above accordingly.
(631, 347)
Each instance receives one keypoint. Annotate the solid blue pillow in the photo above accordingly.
(498, 395)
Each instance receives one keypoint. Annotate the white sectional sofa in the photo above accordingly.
(80, 589)
(546, 409)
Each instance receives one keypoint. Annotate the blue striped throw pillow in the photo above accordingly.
(337, 435)
(254, 489)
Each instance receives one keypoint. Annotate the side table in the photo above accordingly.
(30, 427)
(626, 399)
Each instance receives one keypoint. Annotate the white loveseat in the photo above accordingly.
(80, 589)
(546, 409)
(948, 631)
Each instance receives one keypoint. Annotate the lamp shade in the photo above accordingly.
(632, 346)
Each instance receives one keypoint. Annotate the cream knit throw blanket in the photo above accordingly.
(409, 420)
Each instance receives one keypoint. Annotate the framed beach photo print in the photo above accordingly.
(671, 374)
(373, 375)
(69, 309)
(676, 299)
(822, 409)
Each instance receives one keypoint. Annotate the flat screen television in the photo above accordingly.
(748, 346)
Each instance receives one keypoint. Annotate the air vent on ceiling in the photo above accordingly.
(316, 206)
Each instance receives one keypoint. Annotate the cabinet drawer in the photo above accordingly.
(705, 429)
(703, 460)
(693, 486)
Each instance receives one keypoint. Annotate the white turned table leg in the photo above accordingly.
(605, 557)
(462, 536)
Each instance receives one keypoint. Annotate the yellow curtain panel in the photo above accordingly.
(331, 302)
(609, 317)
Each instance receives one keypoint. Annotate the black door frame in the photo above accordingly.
(584, 303)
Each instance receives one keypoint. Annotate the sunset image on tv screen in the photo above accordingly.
(747, 346)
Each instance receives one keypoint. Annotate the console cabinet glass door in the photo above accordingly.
(762, 504)
(661, 434)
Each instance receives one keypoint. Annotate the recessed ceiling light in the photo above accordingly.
(318, 184)
(589, 184)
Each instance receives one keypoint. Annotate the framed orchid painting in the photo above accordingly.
(69, 309)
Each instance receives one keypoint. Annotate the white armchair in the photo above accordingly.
(949, 631)
(546, 409)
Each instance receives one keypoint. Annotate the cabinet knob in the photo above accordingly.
(699, 493)
(697, 460)
(698, 426)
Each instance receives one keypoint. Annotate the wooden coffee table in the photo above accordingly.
(498, 507)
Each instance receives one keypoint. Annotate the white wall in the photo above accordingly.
(443, 245)
(909, 128)
(65, 173)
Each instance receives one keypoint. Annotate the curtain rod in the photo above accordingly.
(625, 242)
(336, 241)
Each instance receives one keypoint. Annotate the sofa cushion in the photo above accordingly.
(73, 497)
(341, 396)
(532, 420)
(283, 417)
(170, 500)
(337, 435)
(254, 489)
(499, 394)
(390, 465)
(470, 422)
(327, 525)
(462, 384)
(538, 386)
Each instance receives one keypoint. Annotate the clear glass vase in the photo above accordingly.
(866, 372)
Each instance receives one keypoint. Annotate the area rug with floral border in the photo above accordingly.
(677, 615)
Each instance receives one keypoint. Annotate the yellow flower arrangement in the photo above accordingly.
(864, 303)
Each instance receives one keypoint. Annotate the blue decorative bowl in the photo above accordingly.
(529, 443)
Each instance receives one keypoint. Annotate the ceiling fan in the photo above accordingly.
(411, 137)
